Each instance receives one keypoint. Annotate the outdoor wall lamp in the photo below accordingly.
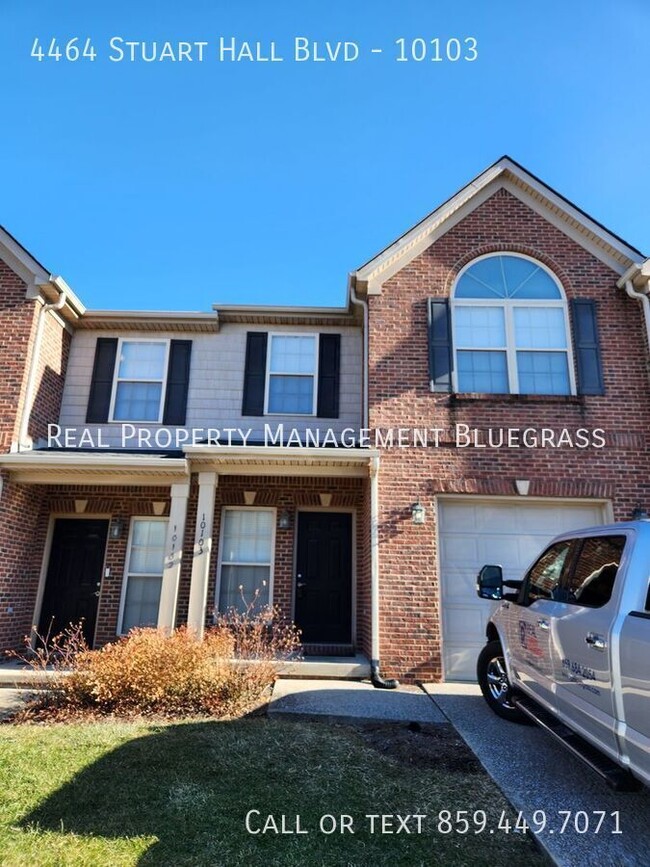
(117, 526)
(639, 514)
(285, 520)
(418, 513)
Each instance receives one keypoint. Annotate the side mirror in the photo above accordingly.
(489, 584)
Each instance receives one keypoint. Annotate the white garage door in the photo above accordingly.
(475, 532)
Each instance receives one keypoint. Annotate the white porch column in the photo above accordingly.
(173, 556)
(202, 549)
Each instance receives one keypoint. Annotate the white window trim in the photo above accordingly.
(508, 305)
(220, 562)
(127, 559)
(117, 379)
(313, 375)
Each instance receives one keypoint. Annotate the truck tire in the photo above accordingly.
(494, 683)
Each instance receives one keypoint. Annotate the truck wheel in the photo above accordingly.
(494, 683)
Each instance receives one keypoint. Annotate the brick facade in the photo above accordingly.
(400, 397)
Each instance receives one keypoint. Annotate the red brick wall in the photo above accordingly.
(400, 396)
(50, 377)
(16, 332)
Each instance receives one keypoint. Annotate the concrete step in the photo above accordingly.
(327, 667)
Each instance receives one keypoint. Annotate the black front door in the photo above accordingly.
(74, 576)
(324, 577)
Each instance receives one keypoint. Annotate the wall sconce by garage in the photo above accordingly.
(639, 514)
(418, 513)
(117, 528)
(285, 520)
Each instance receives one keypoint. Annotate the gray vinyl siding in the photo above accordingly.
(216, 381)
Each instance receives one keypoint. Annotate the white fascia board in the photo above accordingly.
(20, 261)
(91, 460)
(284, 452)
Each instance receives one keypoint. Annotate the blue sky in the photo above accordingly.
(177, 185)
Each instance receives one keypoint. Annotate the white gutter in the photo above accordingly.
(626, 282)
(354, 298)
(28, 404)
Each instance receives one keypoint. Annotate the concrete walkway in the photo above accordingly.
(345, 700)
(536, 773)
(11, 700)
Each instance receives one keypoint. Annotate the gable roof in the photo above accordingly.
(509, 174)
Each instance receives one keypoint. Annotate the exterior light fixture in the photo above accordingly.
(285, 520)
(639, 514)
(418, 513)
(117, 527)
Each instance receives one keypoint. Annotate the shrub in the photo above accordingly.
(152, 672)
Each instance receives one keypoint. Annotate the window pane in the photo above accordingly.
(483, 279)
(147, 547)
(544, 576)
(592, 581)
(525, 279)
(506, 277)
(540, 328)
(293, 354)
(250, 579)
(482, 372)
(142, 361)
(137, 401)
(543, 373)
(142, 602)
(480, 327)
(247, 536)
(291, 394)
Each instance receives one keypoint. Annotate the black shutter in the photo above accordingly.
(329, 363)
(440, 354)
(255, 373)
(101, 385)
(178, 380)
(587, 347)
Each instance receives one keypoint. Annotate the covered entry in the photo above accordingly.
(74, 576)
(472, 532)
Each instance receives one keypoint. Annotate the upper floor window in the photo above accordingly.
(510, 328)
(291, 375)
(140, 375)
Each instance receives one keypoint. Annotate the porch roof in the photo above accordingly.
(281, 460)
(94, 468)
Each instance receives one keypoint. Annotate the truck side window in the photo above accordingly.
(591, 581)
(544, 576)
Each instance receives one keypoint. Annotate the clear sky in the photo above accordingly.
(177, 185)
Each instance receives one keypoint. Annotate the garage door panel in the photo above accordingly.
(474, 533)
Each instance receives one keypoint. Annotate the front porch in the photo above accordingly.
(192, 535)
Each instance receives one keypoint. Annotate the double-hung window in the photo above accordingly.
(292, 366)
(144, 569)
(510, 329)
(139, 385)
(246, 562)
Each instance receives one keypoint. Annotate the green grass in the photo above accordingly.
(177, 794)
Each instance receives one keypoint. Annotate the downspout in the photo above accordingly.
(645, 303)
(23, 431)
(375, 671)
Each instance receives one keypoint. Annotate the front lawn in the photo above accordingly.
(178, 794)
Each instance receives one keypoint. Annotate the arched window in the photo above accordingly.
(510, 328)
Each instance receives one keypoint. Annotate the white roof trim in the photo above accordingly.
(505, 173)
(20, 261)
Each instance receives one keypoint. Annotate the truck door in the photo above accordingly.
(530, 623)
(581, 640)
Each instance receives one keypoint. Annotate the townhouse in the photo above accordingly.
(160, 467)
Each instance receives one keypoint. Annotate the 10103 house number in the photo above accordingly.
(437, 50)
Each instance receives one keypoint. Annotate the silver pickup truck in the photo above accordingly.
(569, 647)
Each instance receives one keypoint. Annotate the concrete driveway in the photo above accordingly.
(535, 773)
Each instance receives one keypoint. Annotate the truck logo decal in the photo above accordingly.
(528, 638)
